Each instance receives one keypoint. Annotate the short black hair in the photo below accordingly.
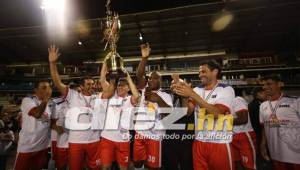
(256, 90)
(238, 92)
(73, 85)
(212, 64)
(274, 77)
(123, 80)
(82, 80)
(37, 83)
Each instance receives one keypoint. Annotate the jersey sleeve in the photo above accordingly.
(225, 98)
(27, 105)
(239, 104)
(71, 94)
(296, 106)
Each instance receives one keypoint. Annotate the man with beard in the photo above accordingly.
(83, 144)
(209, 101)
(147, 143)
(281, 126)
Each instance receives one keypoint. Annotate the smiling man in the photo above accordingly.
(83, 144)
(216, 99)
(148, 143)
(280, 118)
(34, 137)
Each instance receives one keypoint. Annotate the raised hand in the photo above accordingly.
(175, 77)
(53, 53)
(145, 50)
(183, 89)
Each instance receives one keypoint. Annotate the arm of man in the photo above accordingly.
(242, 117)
(240, 107)
(185, 90)
(186, 102)
(28, 106)
(108, 87)
(263, 145)
(154, 97)
(135, 93)
(59, 129)
(141, 80)
(53, 56)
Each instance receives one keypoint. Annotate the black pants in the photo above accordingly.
(177, 155)
(2, 162)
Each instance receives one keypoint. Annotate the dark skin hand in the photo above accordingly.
(155, 98)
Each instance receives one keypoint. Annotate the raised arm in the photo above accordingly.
(134, 91)
(53, 57)
(108, 87)
(141, 80)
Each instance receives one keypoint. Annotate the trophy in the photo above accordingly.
(113, 60)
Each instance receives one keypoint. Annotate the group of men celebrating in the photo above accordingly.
(209, 104)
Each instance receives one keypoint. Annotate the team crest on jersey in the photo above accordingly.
(213, 96)
(284, 106)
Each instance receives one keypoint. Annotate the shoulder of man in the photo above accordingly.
(290, 97)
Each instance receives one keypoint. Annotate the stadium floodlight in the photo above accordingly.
(53, 4)
(222, 20)
(55, 17)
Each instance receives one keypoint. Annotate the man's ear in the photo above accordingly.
(281, 84)
(215, 72)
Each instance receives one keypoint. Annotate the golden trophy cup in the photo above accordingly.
(113, 60)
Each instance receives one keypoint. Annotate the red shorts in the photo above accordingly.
(283, 165)
(62, 158)
(84, 154)
(54, 150)
(147, 150)
(31, 160)
(243, 145)
(111, 151)
(213, 156)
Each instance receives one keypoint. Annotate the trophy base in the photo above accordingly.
(117, 74)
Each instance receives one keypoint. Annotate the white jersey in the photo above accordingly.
(77, 100)
(222, 95)
(35, 133)
(53, 132)
(53, 135)
(118, 118)
(152, 108)
(282, 128)
(62, 139)
(240, 104)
